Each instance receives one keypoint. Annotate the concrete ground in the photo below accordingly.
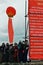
(30, 63)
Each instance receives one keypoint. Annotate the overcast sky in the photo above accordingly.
(18, 20)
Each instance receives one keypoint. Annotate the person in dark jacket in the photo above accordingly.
(11, 52)
(3, 52)
(7, 52)
(16, 53)
(20, 55)
(25, 48)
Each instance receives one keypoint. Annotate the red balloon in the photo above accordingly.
(11, 11)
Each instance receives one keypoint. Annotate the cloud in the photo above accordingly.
(2, 1)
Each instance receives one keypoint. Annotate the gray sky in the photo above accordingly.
(18, 20)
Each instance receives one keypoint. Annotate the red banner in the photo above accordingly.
(36, 6)
(35, 11)
(10, 31)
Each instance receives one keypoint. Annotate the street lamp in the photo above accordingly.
(25, 20)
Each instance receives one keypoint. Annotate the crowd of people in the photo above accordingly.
(14, 53)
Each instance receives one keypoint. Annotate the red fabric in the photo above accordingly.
(10, 31)
(35, 12)
(35, 6)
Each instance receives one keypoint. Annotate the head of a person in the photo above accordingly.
(15, 44)
(3, 44)
(20, 42)
(7, 44)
